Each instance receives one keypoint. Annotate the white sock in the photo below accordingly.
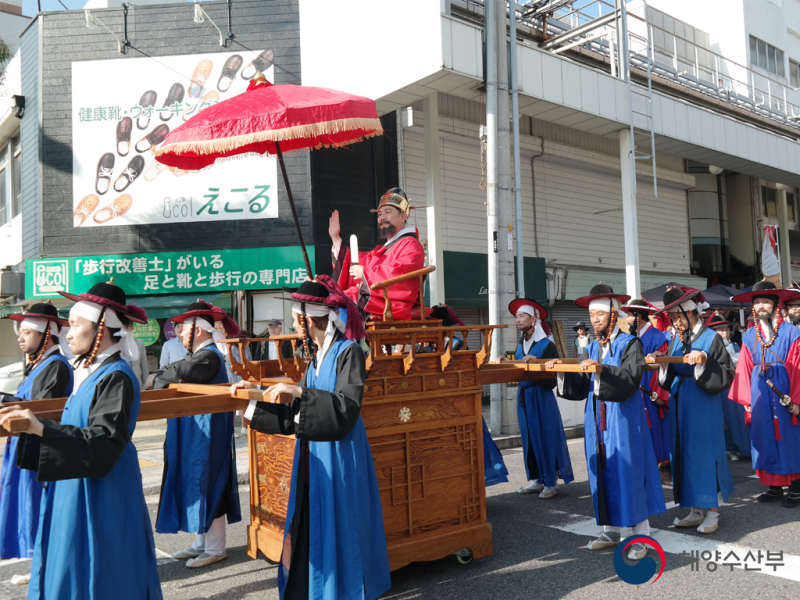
(642, 528)
(720, 500)
(711, 518)
(548, 489)
(610, 529)
(696, 514)
(199, 542)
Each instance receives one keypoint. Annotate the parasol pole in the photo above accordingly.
(294, 211)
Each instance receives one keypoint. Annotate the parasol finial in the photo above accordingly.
(260, 78)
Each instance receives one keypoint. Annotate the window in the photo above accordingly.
(16, 177)
(766, 56)
(769, 203)
(794, 73)
(5, 183)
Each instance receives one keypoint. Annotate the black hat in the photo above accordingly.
(445, 314)
(203, 309)
(766, 289)
(717, 320)
(112, 296)
(275, 323)
(41, 310)
(579, 325)
(601, 290)
(638, 304)
(676, 296)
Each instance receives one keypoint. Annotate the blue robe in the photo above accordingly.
(699, 461)
(544, 443)
(20, 493)
(494, 467)
(200, 461)
(348, 558)
(623, 473)
(657, 416)
(776, 457)
(737, 433)
(95, 540)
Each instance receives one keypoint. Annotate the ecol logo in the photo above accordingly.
(50, 277)
(643, 570)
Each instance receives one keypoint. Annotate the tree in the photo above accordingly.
(5, 55)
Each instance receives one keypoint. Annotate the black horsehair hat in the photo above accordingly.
(601, 290)
(41, 310)
(112, 296)
(766, 289)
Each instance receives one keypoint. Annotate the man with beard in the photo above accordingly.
(792, 307)
(623, 474)
(701, 476)
(767, 383)
(400, 254)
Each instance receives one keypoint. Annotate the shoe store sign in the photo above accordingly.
(117, 123)
(170, 272)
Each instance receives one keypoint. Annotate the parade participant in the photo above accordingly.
(582, 342)
(48, 374)
(544, 443)
(737, 433)
(334, 541)
(792, 306)
(623, 474)
(494, 467)
(654, 398)
(95, 539)
(400, 254)
(701, 476)
(199, 487)
(767, 383)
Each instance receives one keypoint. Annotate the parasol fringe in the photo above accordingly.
(224, 145)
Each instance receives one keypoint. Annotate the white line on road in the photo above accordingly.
(675, 543)
(162, 558)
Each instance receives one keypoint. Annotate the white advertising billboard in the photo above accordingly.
(123, 108)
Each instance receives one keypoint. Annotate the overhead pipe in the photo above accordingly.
(512, 57)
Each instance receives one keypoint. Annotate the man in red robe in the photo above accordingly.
(400, 254)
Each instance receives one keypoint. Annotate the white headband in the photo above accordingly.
(603, 304)
(35, 324)
(528, 310)
(216, 334)
(538, 332)
(91, 311)
(317, 310)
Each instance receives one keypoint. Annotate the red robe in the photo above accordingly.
(403, 256)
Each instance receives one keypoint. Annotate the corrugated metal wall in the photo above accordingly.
(29, 136)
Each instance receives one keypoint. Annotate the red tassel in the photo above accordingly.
(777, 428)
(660, 412)
(794, 419)
(603, 416)
(647, 414)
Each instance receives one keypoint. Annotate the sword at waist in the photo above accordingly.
(785, 400)
(653, 395)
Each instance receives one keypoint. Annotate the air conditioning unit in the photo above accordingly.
(11, 284)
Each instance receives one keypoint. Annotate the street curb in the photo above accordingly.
(155, 490)
(509, 442)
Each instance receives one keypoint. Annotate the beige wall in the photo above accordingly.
(9, 349)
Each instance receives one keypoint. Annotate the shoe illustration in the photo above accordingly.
(229, 70)
(148, 99)
(105, 168)
(260, 63)
(199, 77)
(129, 173)
(84, 209)
(175, 96)
(154, 169)
(111, 211)
(154, 138)
(210, 97)
(124, 136)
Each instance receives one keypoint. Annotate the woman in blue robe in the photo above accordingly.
(701, 476)
(199, 488)
(623, 473)
(334, 541)
(544, 443)
(48, 374)
(94, 539)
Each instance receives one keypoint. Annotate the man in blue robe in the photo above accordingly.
(199, 488)
(701, 476)
(334, 541)
(544, 443)
(94, 539)
(48, 374)
(623, 473)
(767, 384)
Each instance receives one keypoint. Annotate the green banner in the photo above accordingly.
(170, 272)
(148, 332)
(466, 278)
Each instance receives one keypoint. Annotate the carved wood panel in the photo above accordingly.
(274, 458)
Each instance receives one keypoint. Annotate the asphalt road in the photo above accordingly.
(539, 551)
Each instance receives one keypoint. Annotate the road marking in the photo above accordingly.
(162, 558)
(12, 561)
(675, 543)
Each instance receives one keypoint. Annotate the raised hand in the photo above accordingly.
(334, 227)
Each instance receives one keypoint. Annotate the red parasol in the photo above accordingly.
(271, 119)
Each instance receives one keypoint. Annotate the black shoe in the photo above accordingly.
(129, 173)
(105, 168)
(148, 99)
(124, 136)
(775, 492)
(260, 63)
(175, 96)
(792, 500)
(154, 138)
(229, 70)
